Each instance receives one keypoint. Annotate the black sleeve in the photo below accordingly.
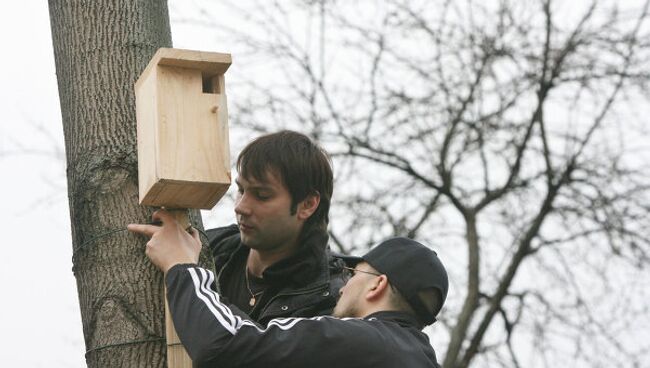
(218, 335)
(222, 242)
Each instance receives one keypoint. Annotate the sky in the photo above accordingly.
(39, 315)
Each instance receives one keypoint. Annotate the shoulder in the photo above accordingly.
(222, 241)
(217, 235)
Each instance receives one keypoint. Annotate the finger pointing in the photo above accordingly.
(147, 230)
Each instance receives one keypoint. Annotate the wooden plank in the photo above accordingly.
(212, 63)
(183, 194)
(177, 357)
(146, 115)
(223, 134)
(190, 132)
(192, 137)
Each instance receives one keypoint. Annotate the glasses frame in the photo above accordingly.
(354, 270)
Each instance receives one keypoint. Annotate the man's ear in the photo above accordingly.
(378, 288)
(308, 206)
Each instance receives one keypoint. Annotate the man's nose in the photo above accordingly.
(242, 207)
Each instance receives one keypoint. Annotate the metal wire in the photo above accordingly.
(135, 342)
(93, 239)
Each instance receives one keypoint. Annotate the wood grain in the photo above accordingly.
(183, 145)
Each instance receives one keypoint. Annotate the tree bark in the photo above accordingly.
(100, 48)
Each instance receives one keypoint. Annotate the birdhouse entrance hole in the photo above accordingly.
(211, 84)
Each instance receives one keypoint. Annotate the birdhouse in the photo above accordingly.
(182, 126)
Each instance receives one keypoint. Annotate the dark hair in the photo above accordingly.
(301, 164)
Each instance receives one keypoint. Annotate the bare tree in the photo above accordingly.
(509, 135)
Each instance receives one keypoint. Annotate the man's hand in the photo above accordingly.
(169, 244)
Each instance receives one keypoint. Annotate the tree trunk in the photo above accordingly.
(460, 330)
(100, 48)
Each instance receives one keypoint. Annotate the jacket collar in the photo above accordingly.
(402, 318)
(307, 267)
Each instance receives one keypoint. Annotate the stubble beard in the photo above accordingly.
(344, 311)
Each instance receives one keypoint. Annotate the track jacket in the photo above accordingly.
(304, 285)
(218, 335)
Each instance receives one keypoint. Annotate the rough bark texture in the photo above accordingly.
(100, 48)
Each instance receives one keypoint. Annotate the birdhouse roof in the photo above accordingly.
(210, 63)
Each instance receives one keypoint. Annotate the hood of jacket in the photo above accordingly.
(307, 266)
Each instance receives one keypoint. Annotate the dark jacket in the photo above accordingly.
(304, 285)
(218, 335)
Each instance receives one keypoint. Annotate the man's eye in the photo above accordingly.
(262, 195)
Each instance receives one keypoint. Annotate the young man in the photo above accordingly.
(275, 262)
(396, 289)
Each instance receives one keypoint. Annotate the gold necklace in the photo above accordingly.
(252, 301)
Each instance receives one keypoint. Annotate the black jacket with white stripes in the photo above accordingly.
(219, 335)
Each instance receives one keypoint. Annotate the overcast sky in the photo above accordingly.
(41, 324)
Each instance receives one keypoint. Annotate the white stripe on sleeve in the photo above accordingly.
(224, 315)
(208, 277)
(197, 289)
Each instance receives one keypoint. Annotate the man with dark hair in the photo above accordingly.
(275, 262)
(393, 292)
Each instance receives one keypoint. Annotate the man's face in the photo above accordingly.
(352, 295)
(263, 210)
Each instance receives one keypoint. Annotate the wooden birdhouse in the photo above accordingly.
(182, 124)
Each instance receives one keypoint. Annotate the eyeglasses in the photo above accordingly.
(348, 273)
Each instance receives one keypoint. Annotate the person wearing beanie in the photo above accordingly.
(391, 293)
